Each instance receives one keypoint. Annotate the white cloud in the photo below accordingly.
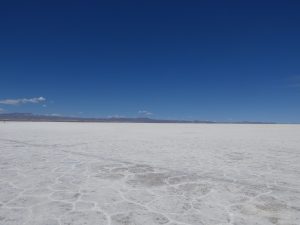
(1, 110)
(21, 101)
(115, 116)
(55, 114)
(145, 113)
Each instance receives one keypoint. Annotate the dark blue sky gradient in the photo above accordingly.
(207, 60)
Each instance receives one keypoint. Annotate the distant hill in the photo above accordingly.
(51, 118)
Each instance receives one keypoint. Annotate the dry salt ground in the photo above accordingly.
(149, 174)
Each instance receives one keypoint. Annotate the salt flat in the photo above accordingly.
(149, 174)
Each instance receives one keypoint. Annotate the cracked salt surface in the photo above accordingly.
(149, 174)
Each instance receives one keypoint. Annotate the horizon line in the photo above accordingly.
(19, 116)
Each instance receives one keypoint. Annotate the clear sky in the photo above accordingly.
(207, 60)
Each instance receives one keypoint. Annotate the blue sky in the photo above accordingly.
(207, 60)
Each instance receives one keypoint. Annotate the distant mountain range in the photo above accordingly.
(53, 118)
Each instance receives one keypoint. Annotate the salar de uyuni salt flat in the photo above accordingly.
(149, 174)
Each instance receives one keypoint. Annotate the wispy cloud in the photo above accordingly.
(54, 114)
(22, 101)
(294, 81)
(115, 116)
(1, 110)
(144, 113)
